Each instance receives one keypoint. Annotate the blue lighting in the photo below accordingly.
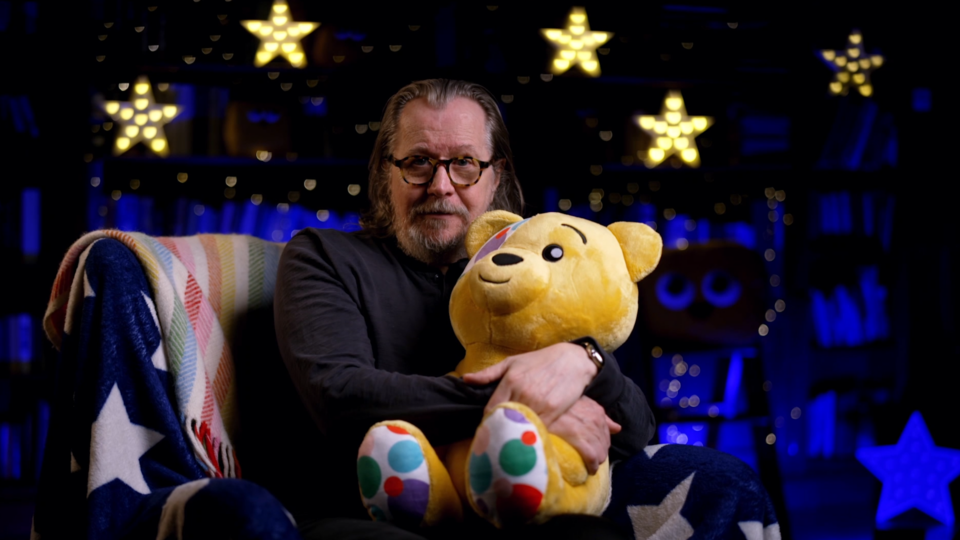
(922, 100)
(694, 433)
(127, 211)
(852, 316)
(731, 393)
(31, 10)
(353, 36)
(822, 421)
(24, 343)
(741, 233)
(674, 231)
(30, 222)
(764, 135)
(694, 9)
(551, 200)
(4, 15)
(736, 437)
(915, 474)
(248, 219)
(315, 106)
(268, 117)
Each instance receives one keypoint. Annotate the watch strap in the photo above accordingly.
(592, 353)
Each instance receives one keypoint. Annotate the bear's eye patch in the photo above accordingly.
(553, 253)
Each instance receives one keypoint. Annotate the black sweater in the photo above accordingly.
(365, 333)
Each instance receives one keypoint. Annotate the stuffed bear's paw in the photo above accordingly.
(508, 467)
(393, 474)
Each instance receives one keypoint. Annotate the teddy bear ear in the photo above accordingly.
(641, 246)
(487, 225)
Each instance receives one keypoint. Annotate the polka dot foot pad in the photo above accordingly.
(508, 468)
(394, 481)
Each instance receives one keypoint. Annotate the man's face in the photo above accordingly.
(431, 220)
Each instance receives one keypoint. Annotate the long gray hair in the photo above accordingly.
(438, 92)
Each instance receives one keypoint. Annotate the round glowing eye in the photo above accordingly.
(553, 253)
(720, 288)
(675, 291)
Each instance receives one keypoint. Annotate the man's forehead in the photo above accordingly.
(459, 126)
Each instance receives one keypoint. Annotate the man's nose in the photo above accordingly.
(441, 186)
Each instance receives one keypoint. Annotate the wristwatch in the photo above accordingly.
(592, 353)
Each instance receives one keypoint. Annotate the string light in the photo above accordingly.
(576, 44)
(851, 66)
(141, 119)
(280, 36)
(673, 132)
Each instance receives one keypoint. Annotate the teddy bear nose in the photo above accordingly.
(506, 259)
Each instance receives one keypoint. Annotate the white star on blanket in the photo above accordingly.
(663, 521)
(118, 444)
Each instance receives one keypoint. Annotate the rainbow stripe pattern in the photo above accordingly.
(201, 286)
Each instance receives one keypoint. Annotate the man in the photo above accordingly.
(362, 319)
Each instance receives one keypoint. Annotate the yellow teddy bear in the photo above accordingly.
(529, 284)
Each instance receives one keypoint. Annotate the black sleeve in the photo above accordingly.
(625, 404)
(323, 338)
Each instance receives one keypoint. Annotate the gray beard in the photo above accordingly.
(417, 236)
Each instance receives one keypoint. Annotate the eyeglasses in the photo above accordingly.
(420, 170)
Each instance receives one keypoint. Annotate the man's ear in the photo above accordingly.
(487, 225)
(641, 246)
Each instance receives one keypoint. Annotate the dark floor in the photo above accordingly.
(833, 504)
(16, 512)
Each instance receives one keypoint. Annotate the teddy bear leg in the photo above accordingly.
(520, 473)
(401, 478)
(508, 471)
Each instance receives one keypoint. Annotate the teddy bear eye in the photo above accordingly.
(553, 253)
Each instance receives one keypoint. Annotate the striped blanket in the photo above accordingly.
(201, 286)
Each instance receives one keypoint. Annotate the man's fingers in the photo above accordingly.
(500, 395)
(613, 426)
(487, 376)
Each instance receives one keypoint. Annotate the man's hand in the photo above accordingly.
(549, 380)
(587, 428)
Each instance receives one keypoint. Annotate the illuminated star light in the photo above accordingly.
(915, 474)
(851, 66)
(673, 132)
(576, 44)
(280, 36)
(141, 119)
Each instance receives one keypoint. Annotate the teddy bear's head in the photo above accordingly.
(550, 278)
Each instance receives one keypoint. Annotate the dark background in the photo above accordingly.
(778, 135)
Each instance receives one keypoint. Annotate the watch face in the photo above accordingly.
(594, 354)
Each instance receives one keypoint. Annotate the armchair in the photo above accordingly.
(174, 415)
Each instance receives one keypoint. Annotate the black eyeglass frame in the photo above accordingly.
(398, 163)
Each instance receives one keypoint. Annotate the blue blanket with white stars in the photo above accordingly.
(677, 491)
(116, 463)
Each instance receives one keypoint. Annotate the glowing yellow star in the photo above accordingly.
(141, 119)
(576, 44)
(673, 132)
(851, 66)
(280, 35)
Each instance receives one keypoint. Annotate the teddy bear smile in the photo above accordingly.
(492, 281)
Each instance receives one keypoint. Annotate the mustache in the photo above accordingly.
(439, 207)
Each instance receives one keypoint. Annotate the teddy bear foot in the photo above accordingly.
(507, 466)
(393, 474)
